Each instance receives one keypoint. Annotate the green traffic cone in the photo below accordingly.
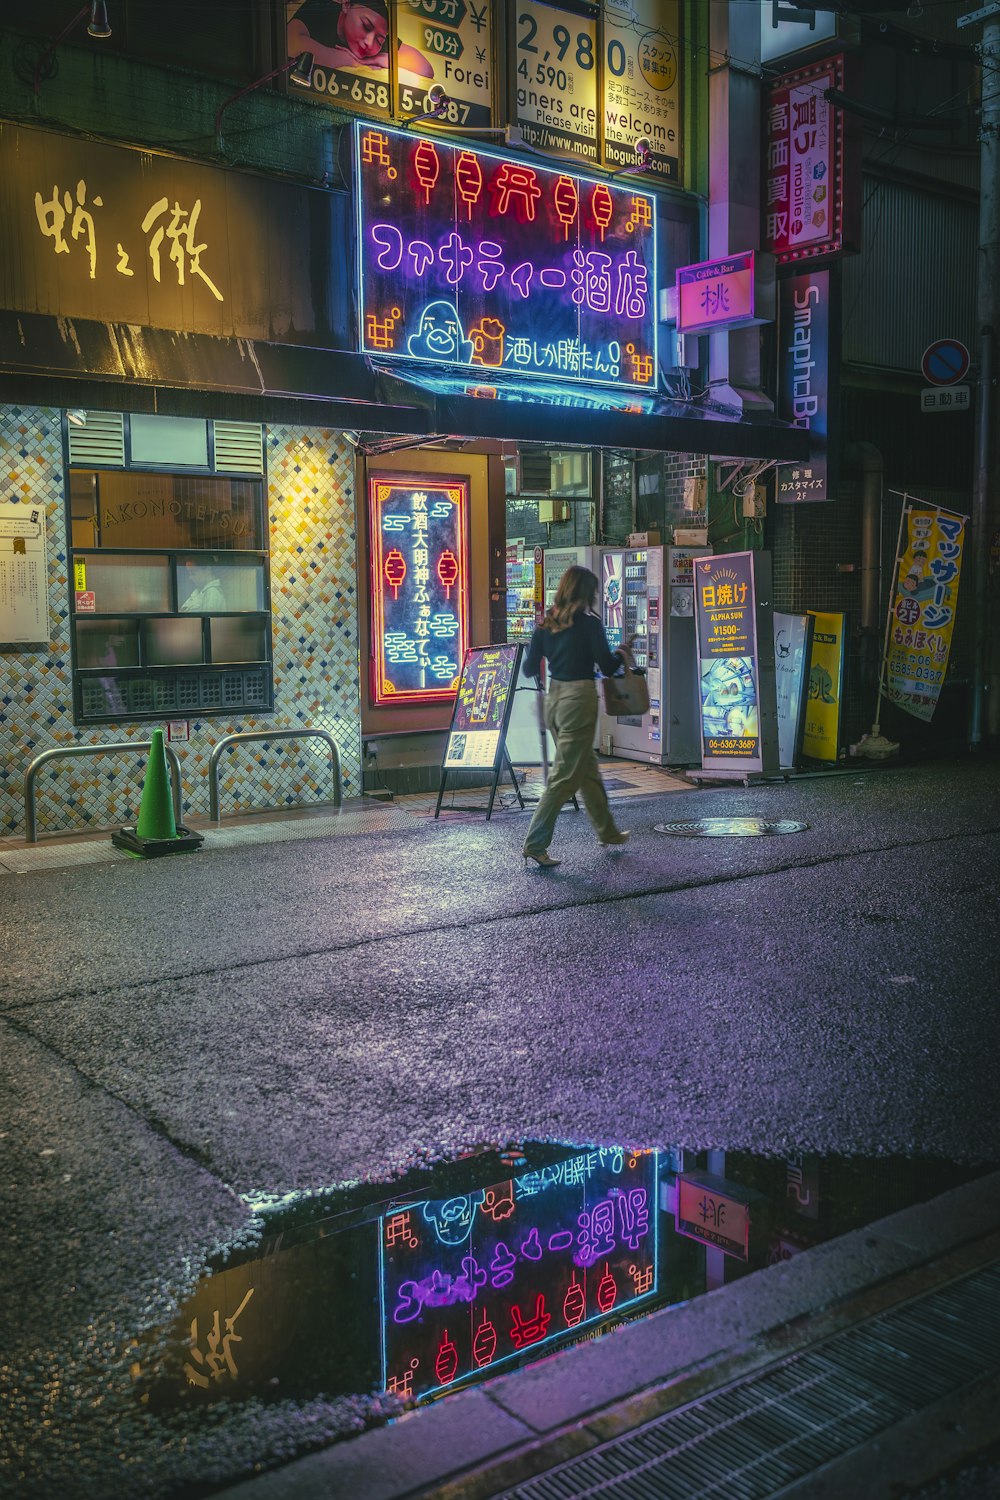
(156, 831)
(156, 810)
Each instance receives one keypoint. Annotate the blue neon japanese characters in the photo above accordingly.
(419, 587)
(470, 259)
(471, 1281)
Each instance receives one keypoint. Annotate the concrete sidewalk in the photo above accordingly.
(743, 1346)
(624, 781)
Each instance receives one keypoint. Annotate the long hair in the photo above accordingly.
(576, 594)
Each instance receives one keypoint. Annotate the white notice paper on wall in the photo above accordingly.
(24, 607)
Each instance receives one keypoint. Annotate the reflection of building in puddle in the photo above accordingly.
(491, 1261)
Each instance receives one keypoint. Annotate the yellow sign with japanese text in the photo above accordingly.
(642, 85)
(556, 70)
(447, 42)
(923, 607)
(821, 735)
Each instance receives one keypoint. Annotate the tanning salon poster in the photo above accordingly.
(733, 616)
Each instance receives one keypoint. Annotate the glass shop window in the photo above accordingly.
(170, 595)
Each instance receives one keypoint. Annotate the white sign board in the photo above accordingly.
(24, 605)
(945, 398)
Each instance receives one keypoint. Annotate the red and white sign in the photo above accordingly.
(86, 602)
(804, 166)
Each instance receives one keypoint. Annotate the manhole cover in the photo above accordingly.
(731, 828)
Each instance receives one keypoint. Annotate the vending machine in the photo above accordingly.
(555, 561)
(647, 599)
(525, 743)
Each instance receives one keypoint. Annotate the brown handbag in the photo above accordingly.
(626, 696)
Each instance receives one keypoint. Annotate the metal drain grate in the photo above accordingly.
(730, 828)
(754, 1438)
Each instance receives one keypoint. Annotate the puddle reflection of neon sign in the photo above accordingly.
(419, 589)
(471, 259)
(473, 1280)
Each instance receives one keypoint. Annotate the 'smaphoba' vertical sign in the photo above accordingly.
(739, 724)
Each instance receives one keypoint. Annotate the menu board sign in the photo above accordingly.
(557, 79)
(476, 260)
(482, 707)
(642, 85)
(24, 603)
(729, 665)
(471, 1281)
(419, 586)
(445, 42)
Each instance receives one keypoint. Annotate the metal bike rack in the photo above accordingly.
(30, 827)
(270, 734)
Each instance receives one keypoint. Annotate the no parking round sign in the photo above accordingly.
(945, 361)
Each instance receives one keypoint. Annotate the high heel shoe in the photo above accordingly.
(543, 860)
(621, 837)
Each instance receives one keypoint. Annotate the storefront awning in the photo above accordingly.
(141, 368)
(581, 415)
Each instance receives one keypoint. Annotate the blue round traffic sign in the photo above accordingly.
(945, 361)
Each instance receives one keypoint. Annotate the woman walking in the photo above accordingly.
(572, 639)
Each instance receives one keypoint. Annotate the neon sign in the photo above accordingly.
(471, 1281)
(419, 588)
(471, 259)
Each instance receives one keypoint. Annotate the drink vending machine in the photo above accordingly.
(524, 734)
(647, 598)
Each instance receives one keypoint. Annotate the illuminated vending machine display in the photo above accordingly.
(524, 733)
(647, 599)
(555, 561)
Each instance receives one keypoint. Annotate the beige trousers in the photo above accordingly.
(571, 714)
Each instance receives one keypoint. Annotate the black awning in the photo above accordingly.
(339, 388)
(536, 412)
(265, 377)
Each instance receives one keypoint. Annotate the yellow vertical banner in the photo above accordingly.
(821, 735)
(923, 607)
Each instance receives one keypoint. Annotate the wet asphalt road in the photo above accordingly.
(178, 1033)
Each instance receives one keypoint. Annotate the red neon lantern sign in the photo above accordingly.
(446, 1363)
(601, 206)
(427, 167)
(567, 202)
(448, 570)
(395, 571)
(468, 179)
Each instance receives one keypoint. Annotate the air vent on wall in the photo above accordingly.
(536, 471)
(100, 441)
(239, 447)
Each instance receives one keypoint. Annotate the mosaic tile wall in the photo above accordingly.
(315, 639)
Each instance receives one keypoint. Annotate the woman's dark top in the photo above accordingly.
(572, 653)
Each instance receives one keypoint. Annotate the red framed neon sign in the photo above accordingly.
(419, 586)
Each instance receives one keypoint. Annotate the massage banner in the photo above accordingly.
(923, 606)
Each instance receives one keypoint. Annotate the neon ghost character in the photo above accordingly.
(441, 335)
(452, 1219)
